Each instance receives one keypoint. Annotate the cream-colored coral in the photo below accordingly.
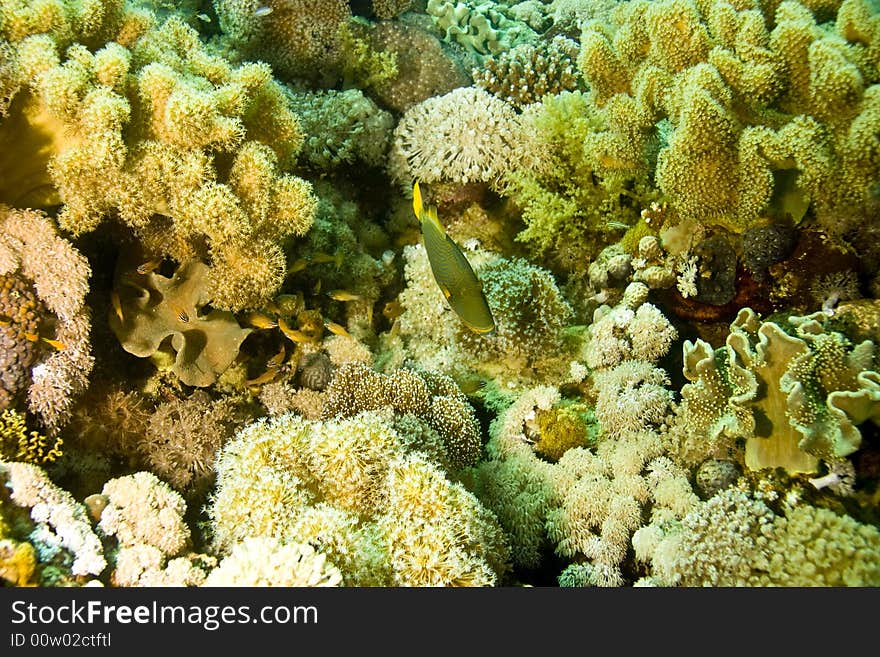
(466, 135)
(62, 523)
(384, 515)
(623, 333)
(142, 509)
(736, 539)
(266, 561)
(30, 247)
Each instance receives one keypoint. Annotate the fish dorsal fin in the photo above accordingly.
(417, 200)
(423, 213)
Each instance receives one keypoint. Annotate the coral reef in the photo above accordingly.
(736, 539)
(147, 151)
(226, 359)
(752, 95)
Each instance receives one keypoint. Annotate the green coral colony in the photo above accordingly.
(230, 355)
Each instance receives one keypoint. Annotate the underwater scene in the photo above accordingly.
(550, 293)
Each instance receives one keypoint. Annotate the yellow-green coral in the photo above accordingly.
(19, 444)
(190, 152)
(382, 513)
(735, 539)
(797, 395)
(741, 95)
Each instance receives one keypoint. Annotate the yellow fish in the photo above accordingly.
(343, 295)
(452, 271)
(266, 377)
(57, 344)
(293, 334)
(260, 320)
(299, 265)
(336, 329)
(275, 362)
(323, 258)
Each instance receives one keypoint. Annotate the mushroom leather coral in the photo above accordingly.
(154, 308)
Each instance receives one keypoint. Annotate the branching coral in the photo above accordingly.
(574, 194)
(528, 72)
(143, 518)
(589, 503)
(602, 496)
(45, 280)
(62, 534)
(623, 333)
(381, 513)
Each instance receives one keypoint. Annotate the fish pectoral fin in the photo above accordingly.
(446, 292)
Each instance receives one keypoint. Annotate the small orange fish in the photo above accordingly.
(275, 362)
(260, 320)
(336, 329)
(149, 266)
(117, 304)
(57, 344)
(266, 377)
(30, 337)
(343, 295)
(293, 334)
(182, 315)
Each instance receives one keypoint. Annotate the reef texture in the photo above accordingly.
(229, 356)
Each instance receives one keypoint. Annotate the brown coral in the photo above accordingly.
(431, 397)
(166, 319)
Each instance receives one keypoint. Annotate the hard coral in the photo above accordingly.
(528, 72)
